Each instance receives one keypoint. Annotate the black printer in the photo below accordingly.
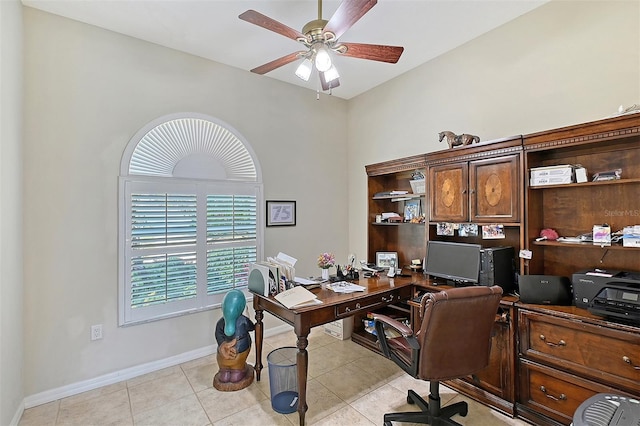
(612, 294)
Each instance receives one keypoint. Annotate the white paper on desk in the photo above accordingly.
(297, 297)
(285, 257)
(304, 281)
(345, 287)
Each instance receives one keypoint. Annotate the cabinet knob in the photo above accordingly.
(562, 396)
(628, 361)
(560, 343)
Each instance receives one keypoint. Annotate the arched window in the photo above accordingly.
(190, 215)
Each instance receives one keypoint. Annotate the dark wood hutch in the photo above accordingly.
(545, 360)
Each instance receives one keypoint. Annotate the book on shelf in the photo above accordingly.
(390, 193)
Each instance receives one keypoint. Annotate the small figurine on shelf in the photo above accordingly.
(456, 140)
(234, 344)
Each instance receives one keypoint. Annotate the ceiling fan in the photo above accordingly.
(321, 37)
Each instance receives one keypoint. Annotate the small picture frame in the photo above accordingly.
(411, 210)
(386, 259)
(281, 213)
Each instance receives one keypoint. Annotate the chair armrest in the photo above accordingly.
(406, 358)
(402, 329)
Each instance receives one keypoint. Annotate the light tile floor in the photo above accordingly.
(348, 385)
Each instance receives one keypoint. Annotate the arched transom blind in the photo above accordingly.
(192, 148)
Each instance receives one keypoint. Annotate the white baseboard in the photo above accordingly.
(126, 374)
(17, 416)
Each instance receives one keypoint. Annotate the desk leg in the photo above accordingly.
(259, 336)
(302, 360)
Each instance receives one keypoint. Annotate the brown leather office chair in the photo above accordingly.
(454, 340)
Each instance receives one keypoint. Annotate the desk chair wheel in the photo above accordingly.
(387, 424)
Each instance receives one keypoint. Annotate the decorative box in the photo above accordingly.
(418, 186)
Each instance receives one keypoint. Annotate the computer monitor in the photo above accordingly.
(457, 262)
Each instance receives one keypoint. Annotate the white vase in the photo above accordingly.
(325, 273)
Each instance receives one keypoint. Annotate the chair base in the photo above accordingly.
(431, 413)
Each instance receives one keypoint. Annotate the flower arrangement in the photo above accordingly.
(326, 260)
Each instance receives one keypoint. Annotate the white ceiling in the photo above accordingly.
(211, 29)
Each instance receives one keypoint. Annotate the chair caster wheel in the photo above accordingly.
(464, 411)
(409, 401)
(387, 424)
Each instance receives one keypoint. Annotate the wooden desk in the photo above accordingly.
(379, 292)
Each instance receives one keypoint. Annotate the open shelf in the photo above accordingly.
(574, 185)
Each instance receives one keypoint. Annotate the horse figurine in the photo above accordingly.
(457, 140)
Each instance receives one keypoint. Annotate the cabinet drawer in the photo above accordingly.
(555, 394)
(606, 355)
(370, 303)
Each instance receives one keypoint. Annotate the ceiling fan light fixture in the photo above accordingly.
(322, 57)
(331, 74)
(304, 69)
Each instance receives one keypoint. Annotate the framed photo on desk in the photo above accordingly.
(386, 259)
(281, 213)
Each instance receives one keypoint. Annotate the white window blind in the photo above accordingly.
(186, 239)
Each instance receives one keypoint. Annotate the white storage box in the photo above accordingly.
(418, 186)
(551, 180)
(340, 329)
(562, 170)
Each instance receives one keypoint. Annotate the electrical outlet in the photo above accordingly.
(96, 332)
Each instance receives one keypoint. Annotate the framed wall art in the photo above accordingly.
(281, 213)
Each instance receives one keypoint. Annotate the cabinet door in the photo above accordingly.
(448, 193)
(494, 189)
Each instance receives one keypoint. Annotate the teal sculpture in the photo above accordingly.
(234, 344)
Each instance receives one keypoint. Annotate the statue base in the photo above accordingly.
(229, 386)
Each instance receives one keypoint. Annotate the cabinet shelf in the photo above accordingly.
(506, 224)
(402, 196)
(395, 223)
(587, 245)
(574, 185)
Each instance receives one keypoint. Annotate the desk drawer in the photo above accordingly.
(370, 303)
(605, 355)
(553, 393)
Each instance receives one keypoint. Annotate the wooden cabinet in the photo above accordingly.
(478, 184)
(573, 209)
(545, 361)
(477, 191)
(567, 355)
(406, 239)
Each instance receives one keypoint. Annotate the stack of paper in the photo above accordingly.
(286, 264)
(345, 287)
(297, 297)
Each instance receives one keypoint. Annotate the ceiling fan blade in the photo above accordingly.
(264, 21)
(348, 14)
(277, 63)
(326, 85)
(374, 52)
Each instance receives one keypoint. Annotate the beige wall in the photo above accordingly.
(565, 63)
(11, 284)
(88, 91)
